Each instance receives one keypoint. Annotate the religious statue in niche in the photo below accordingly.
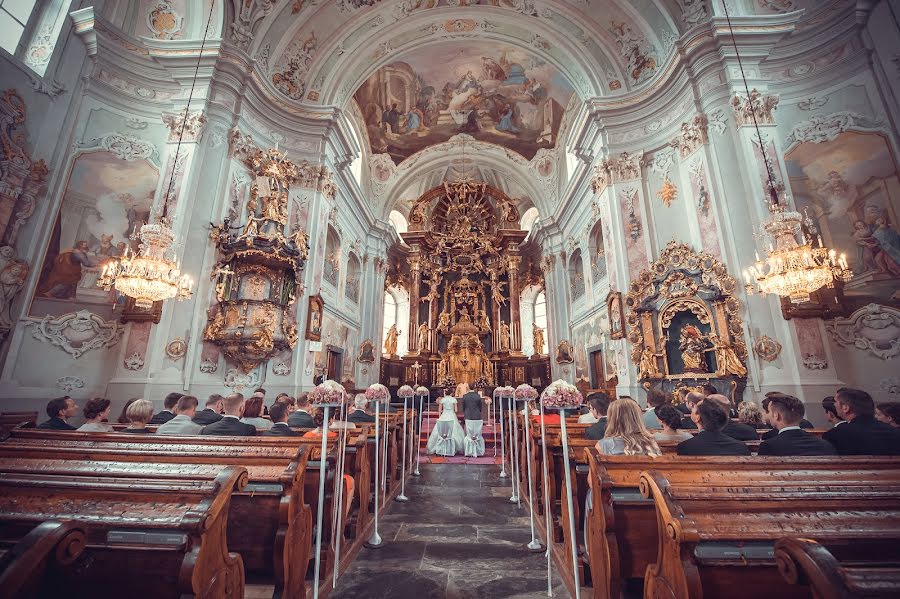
(390, 341)
(649, 368)
(693, 346)
(423, 338)
(538, 334)
(726, 360)
(504, 336)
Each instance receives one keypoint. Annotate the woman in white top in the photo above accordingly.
(253, 414)
(95, 412)
(448, 414)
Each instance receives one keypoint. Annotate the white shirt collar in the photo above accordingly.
(789, 428)
(230, 416)
(838, 423)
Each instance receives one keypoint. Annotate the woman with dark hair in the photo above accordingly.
(123, 417)
(888, 412)
(670, 419)
(95, 412)
(253, 414)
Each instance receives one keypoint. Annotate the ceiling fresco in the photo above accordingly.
(492, 92)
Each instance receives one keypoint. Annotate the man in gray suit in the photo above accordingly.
(472, 403)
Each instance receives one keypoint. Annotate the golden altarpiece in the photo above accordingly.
(684, 325)
(463, 270)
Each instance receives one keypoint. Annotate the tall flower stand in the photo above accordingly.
(534, 545)
(402, 496)
(375, 540)
(321, 508)
(503, 473)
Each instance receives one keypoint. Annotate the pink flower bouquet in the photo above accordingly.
(526, 391)
(377, 392)
(505, 392)
(561, 394)
(405, 391)
(420, 390)
(329, 392)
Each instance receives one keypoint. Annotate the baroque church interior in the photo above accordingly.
(450, 298)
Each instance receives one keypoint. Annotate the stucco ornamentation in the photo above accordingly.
(873, 328)
(76, 333)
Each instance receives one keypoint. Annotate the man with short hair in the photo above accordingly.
(230, 425)
(710, 416)
(287, 400)
(772, 433)
(472, 404)
(709, 389)
(212, 412)
(599, 405)
(862, 435)
(302, 417)
(691, 400)
(59, 410)
(735, 430)
(358, 413)
(280, 428)
(655, 398)
(784, 413)
(168, 409)
(831, 415)
(182, 424)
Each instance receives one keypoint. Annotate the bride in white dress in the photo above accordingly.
(448, 435)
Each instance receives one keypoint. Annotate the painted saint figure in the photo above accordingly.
(506, 120)
(63, 278)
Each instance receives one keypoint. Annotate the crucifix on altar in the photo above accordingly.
(416, 368)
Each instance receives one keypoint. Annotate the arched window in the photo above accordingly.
(332, 271)
(533, 303)
(15, 16)
(576, 275)
(540, 310)
(398, 221)
(598, 254)
(529, 218)
(352, 284)
(29, 29)
(396, 312)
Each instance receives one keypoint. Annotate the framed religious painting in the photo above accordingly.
(366, 351)
(314, 318)
(616, 318)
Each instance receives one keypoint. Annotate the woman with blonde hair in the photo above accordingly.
(749, 413)
(625, 431)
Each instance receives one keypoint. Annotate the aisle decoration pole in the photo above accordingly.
(526, 393)
(376, 392)
(546, 490)
(506, 394)
(561, 396)
(405, 396)
(338, 516)
(422, 392)
(503, 473)
(326, 395)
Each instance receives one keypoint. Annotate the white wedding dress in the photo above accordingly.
(448, 435)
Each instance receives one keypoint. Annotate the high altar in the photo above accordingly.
(463, 274)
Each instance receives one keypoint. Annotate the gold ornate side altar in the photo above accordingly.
(684, 324)
(462, 271)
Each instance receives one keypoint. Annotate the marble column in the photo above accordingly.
(415, 272)
(515, 324)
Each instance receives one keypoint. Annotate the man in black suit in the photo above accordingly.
(599, 405)
(301, 416)
(710, 416)
(168, 411)
(359, 414)
(59, 410)
(784, 413)
(862, 435)
(769, 434)
(691, 400)
(279, 414)
(735, 430)
(230, 425)
(831, 415)
(472, 404)
(212, 412)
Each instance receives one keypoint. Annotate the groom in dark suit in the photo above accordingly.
(472, 403)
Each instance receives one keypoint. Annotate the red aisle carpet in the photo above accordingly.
(490, 432)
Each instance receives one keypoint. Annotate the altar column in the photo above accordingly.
(515, 325)
(416, 272)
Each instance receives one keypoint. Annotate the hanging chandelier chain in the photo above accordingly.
(762, 146)
(212, 6)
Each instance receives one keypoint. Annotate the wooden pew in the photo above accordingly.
(716, 537)
(27, 567)
(807, 563)
(147, 537)
(10, 420)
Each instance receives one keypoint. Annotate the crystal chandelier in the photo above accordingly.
(153, 274)
(797, 263)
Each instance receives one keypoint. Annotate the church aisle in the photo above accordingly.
(459, 537)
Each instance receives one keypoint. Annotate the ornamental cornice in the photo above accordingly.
(762, 106)
(692, 136)
(192, 125)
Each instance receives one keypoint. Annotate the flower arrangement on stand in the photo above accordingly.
(405, 391)
(561, 395)
(506, 392)
(421, 390)
(526, 391)
(329, 393)
(377, 392)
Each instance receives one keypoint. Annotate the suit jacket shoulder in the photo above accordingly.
(280, 430)
(706, 443)
(741, 432)
(597, 430)
(796, 442)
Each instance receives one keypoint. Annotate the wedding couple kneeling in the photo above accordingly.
(448, 438)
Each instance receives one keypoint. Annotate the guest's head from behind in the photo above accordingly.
(288, 402)
(854, 403)
(215, 402)
(187, 406)
(693, 398)
(721, 400)
(669, 417)
(96, 409)
(656, 397)
(302, 402)
(234, 405)
(123, 416)
(889, 413)
(139, 413)
(710, 415)
(749, 413)
(170, 401)
(279, 412)
(62, 407)
(360, 402)
(446, 391)
(626, 422)
(681, 394)
(783, 410)
(253, 407)
(709, 389)
(830, 409)
(598, 404)
(259, 391)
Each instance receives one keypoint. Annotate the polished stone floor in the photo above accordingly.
(458, 537)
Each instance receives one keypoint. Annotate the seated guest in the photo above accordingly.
(709, 389)
(888, 412)
(182, 423)
(358, 413)
(333, 425)
(138, 414)
(691, 400)
(735, 430)
(287, 400)
(599, 405)
(261, 393)
(168, 409)
(230, 425)
(588, 417)
(301, 416)
(626, 433)
(655, 398)
(784, 413)
(711, 417)
(862, 435)
(123, 416)
(681, 404)
(95, 412)
(212, 412)
(750, 414)
(670, 418)
(831, 415)
(550, 417)
(279, 415)
(59, 410)
(252, 413)
(804, 423)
